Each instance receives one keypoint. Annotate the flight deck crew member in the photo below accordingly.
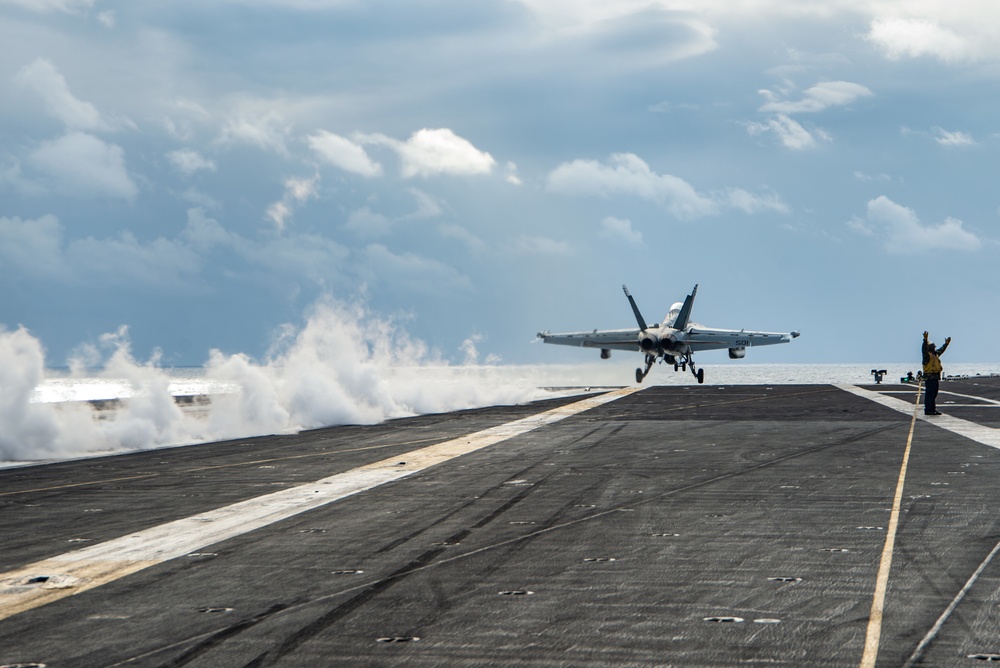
(932, 374)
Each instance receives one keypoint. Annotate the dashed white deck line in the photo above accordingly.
(64, 575)
(976, 432)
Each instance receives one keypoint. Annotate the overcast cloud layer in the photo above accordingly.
(203, 173)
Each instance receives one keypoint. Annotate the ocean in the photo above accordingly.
(60, 385)
(67, 415)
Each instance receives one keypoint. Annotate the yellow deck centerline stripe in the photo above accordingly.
(874, 633)
(51, 579)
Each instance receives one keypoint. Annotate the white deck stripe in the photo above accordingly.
(992, 402)
(976, 432)
(90, 567)
(988, 402)
(971, 430)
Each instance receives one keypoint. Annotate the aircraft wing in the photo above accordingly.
(704, 338)
(609, 339)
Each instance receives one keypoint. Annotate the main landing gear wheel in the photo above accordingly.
(701, 375)
(640, 374)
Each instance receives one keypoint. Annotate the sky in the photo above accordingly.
(198, 176)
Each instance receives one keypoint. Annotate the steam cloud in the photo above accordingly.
(344, 366)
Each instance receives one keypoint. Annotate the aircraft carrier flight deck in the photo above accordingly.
(701, 525)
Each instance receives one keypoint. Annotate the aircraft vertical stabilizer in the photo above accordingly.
(681, 321)
(635, 310)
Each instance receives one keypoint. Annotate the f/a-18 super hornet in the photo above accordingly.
(674, 341)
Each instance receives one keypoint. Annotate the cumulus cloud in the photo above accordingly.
(297, 191)
(42, 77)
(309, 257)
(12, 175)
(651, 32)
(861, 226)
(432, 152)
(69, 6)
(81, 164)
(266, 131)
(534, 245)
(820, 97)
(366, 223)
(903, 233)
(620, 229)
(33, 247)
(126, 259)
(427, 206)
(413, 273)
(343, 154)
(37, 248)
(627, 174)
(511, 176)
(789, 132)
(189, 161)
(941, 136)
(459, 233)
(204, 233)
(897, 38)
(947, 138)
(863, 176)
(750, 203)
(186, 117)
(899, 28)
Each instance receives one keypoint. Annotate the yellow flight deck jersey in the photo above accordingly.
(933, 364)
(932, 359)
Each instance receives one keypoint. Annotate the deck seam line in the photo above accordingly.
(932, 634)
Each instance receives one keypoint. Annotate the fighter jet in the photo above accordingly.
(674, 341)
